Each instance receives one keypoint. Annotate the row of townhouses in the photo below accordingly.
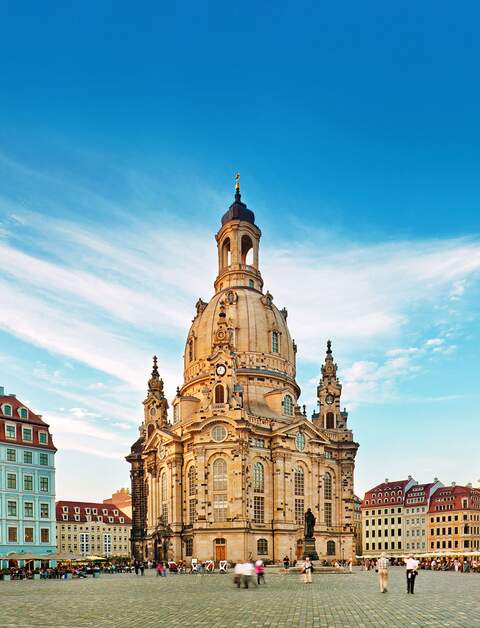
(31, 523)
(407, 517)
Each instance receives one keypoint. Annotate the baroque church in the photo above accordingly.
(233, 474)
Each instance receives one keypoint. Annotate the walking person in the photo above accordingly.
(412, 571)
(382, 568)
(307, 571)
(260, 571)
(286, 563)
(142, 569)
(136, 567)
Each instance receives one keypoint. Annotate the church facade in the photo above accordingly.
(232, 475)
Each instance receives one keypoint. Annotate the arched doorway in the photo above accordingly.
(220, 549)
(299, 549)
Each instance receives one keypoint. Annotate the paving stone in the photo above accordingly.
(331, 601)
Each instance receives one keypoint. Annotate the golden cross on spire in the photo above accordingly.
(237, 182)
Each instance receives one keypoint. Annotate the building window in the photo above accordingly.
(327, 486)
(299, 511)
(188, 547)
(28, 508)
(164, 497)
(11, 455)
(262, 547)
(7, 409)
(219, 393)
(28, 535)
(288, 405)
(300, 441)
(258, 477)
(257, 442)
(299, 481)
(23, 412)
(275, 342)
(258, 509)
(328, 514)
(27, 434)
(84, 543)
(43, 459)
(28, 482)
(190, 350)
(44, 511)
(12, 480)
(10, 431)
(330, 421)
(27, 457)
(43, 438)
(107, 544)
(12, 508)
(219, 433)
(330, 548)
(12, 535)
(191, 481)
(251, 284)
(220, 508)
(43, 485)
(219, 475)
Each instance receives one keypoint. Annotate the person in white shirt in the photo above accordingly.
(412, 570)
(382, 568)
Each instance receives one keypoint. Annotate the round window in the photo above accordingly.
(219, 433)
(300, 441)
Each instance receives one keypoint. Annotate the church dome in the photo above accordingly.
(244, 321)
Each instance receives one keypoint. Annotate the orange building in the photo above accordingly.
(454, 519)
(122, 499)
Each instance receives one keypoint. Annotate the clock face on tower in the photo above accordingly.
(329, 399)
(221, 370)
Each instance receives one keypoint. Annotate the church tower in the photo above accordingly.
(329, 390)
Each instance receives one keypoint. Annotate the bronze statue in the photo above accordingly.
(309, 524)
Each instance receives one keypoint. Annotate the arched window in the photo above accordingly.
(288, 405)
(219, 475)
(219, 393)
(7, 409)
(299, 481)
(275, 342)
(330, 421)
(226, 253)
(188, 547)
(163, 496)
(258, 477)
(327, 486)
(190, 350)
(247, 250)
(191, 494)
(330, 548)
(262, 547)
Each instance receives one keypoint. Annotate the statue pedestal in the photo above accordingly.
(309, 549)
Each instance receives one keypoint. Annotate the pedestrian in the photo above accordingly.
(135, 565)
(382, 568)
(260, 571)
(286, 563)
(158, 569)
(248, 571)
(412, 571)
(307, 571)
(237, 575)
(142, 569)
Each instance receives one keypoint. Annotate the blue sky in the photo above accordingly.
(356, 130)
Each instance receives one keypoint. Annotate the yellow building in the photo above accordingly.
(234, 473)
(92, 529)
(454, 519)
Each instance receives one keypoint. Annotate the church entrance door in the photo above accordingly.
(220, 549)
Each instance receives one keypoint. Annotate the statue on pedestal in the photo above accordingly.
(309, 524)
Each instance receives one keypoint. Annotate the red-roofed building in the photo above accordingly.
(454, 519)
(382, 517)
(90, 528)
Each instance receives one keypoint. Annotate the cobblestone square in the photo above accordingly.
(124, 600)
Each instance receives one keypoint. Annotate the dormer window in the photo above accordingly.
(87, 511)
(65, 517)
(77, 509)
(94, 511)
(115, 512)
(7, 409)
(99, 518)
(105, 511)
(288, 405)
(65, 509)
(122, 519)
(10, 431)
(77, 517)
(110, 519)
(27, 434)
(23, 413)
(43, 438)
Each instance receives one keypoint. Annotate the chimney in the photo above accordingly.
(435, 479)
(454, 484)
(2, 391)
(409, 477)
(469, 485)
(386, 480)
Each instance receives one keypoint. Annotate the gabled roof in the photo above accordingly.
(33, 421)
(68, 508)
